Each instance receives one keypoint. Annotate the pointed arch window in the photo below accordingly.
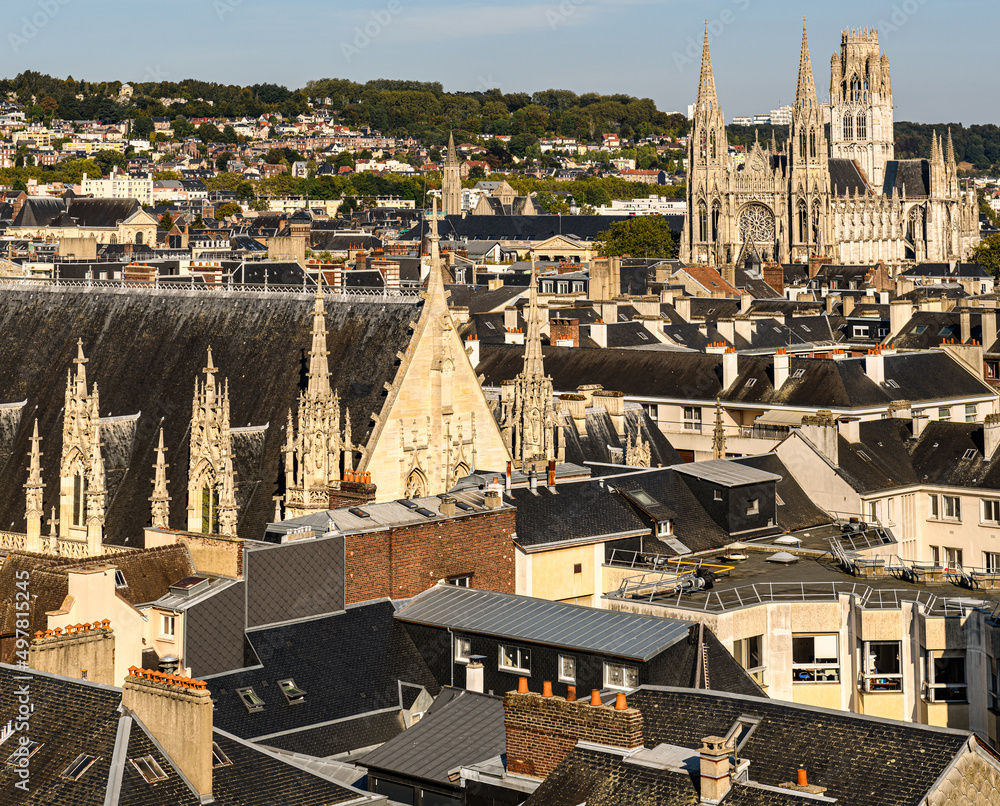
(812, 143)
(209, 509)
(79, 498)
(803, 222)
(802, 144)
(416, 485)
(848, 126)
(702, 222)
(862, 126)
(716, 215)
(856, 95)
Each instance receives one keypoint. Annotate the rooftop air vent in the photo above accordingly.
(783, 557)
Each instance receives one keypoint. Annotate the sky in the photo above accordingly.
(942, 52)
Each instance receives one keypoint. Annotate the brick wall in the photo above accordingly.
(565, 330)
(542, 730)
(405, 561)
(352, 494)
(774, 276)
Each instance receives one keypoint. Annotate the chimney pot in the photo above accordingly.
(595, 697)
(522, 685)
(570, 693)
(546, 688)
(803, 777)
(620, 703)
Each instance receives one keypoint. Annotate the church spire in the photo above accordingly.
(160, 499)
(96, 492)
(707, 97)
(935, 148)
(34, 507)
(533, 367)
(805, 93)
(319, 364)
(435, 280)
(718, 434)
(950, 153)
(451, 158)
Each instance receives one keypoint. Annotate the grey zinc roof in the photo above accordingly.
(523, 618)
(726, 473)
(459, 729)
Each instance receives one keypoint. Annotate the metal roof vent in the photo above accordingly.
(782, 557)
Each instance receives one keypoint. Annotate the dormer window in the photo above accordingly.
(664, 528)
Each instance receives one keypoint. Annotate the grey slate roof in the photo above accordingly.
(461, 728)
(845, 176)
(908, 177)
(726, 473)
(523, 618)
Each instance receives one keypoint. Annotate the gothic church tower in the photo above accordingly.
(861, 105)
(451, 181)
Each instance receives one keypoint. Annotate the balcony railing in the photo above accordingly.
(75, 549)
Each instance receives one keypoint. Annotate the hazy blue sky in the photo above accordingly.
(943, 52)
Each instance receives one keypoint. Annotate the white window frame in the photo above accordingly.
(816, 671)
(463, 649)
(664, 528)
(168, 626)
(944, 414)
(625, 673)
(989, 510)
(877, 682)
(932, 687)
(753, 506)
(570, 677)
(953, 557)
(935, 556)
(517, 655)
(971, 413)
(691, 416)
(951, 508)
(934, 506)
(991, 562)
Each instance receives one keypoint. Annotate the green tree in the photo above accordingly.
(987, 254)
(641, 236)
(228, 209)
(167, 175)
(223, 160)
(244, 190)
(166, 222)
(142, 128)
(20, 185)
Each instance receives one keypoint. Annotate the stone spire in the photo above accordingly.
(34, 506)
(435, 280)
(533, 367)
(211, 444)
(160, 499)
(805, 93)
(718, 434)
(949, 158)
(935, 148)
(706, 82)
(637, 454)
(228, 509)
(319, 362)
(96, 491)
(452, 156)
(451, 181)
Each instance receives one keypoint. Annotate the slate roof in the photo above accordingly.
(825, 383)
(908, 177)
(102, 212)
(71, 717)
(576, 512)
(601, 437)
(795, 509)
(604, 778)
(460, 728)
(845, 177)
(39, 211)
(349, 665)
(145, 350)
(523, 618)
(530, 227)
(861, 760)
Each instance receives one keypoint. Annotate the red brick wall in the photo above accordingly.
(403, 562)
(774, 276)
(352, 494)
(542, 730)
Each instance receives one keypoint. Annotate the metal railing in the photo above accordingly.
(192, 284)
(667, 592)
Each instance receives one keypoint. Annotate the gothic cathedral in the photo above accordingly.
(845, 197)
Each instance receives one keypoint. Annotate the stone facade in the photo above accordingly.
(848, 198)
(451, 181)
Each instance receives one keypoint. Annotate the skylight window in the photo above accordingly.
(920, 329)
(798, 373)
(970, 454)
(427, 513)
(149, 769)
(79, 766)
(864, 456)
(250, 699)
(292, 693)
(644, 337)
(892, 383)
(740, 733)
(358, 512)
(490, 325)
(806, 328)
(751, 382)
(120, 581)
(24, 752)
(406, 502)
(219, 758)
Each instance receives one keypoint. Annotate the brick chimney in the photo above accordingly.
(821, 430)
(356, 489)
(774, 276)
(564, 332)
(178, 712)
(83, 651)
(542, 730)
(815, 261)
(714, 769)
